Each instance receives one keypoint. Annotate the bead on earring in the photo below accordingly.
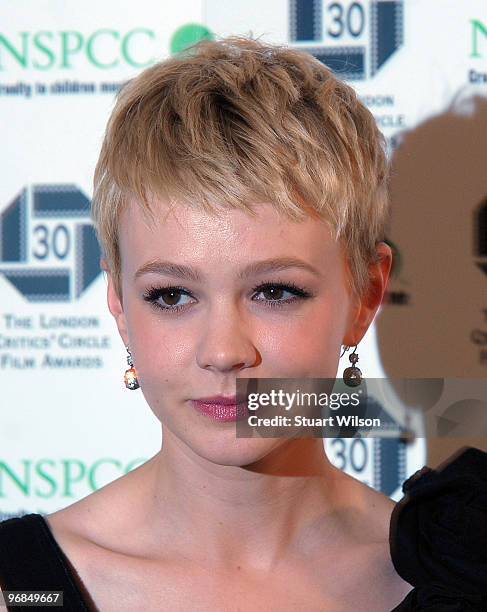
(352, 376)
(130, 376)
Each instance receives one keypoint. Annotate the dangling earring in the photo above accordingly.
(352, 376)
(130, 376)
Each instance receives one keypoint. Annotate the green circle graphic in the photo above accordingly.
(188, 35)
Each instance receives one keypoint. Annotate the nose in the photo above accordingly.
(226, 344)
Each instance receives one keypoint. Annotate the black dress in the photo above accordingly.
(438, 543)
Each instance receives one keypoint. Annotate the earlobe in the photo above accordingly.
(115, 306)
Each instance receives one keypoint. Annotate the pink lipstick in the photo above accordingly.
(221, 408)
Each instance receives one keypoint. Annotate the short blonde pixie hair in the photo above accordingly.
(234, 122)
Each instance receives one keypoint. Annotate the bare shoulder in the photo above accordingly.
(367, 514)
(98, 535)
(99, 518)
(369, 511)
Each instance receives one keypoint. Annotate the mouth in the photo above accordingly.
(222, 409)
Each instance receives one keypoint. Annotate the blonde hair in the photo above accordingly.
(237, 121)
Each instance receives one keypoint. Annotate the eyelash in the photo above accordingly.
(154, 293)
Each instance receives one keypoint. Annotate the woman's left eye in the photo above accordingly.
(169, 298)
(274, 292)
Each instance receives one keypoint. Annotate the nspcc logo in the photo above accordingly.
(48, 247)
(355, 39)
(102, 49)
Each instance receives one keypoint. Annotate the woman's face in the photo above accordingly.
(209, 299)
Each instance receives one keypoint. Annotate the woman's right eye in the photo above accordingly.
(167, 298)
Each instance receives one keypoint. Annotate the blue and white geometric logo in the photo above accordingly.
(48, 247)
(351, 40)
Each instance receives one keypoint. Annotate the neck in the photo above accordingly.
(235, 514)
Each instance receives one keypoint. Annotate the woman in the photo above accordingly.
(240, 198)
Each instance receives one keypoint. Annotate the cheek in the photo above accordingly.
(160, 349)
(307, 346)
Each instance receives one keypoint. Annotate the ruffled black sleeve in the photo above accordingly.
(438, 536)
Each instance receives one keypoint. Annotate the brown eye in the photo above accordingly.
(171, 298)
(272, 293)
(168, 298)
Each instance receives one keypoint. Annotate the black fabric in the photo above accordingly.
(31, 559)
(438, 536)
(438, 543)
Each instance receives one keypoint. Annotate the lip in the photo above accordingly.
(221, 408)
(225, 400)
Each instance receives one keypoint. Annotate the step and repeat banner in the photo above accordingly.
(67, 424)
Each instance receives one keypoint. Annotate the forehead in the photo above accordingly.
(228, 236)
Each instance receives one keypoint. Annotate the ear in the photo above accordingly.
(367, 305)
(115, 304)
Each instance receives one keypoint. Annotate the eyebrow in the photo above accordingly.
(169, 268)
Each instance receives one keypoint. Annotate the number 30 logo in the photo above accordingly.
(56, 241)
(48, 247)
(354, 39)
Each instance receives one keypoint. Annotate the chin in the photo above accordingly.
(232, 451)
